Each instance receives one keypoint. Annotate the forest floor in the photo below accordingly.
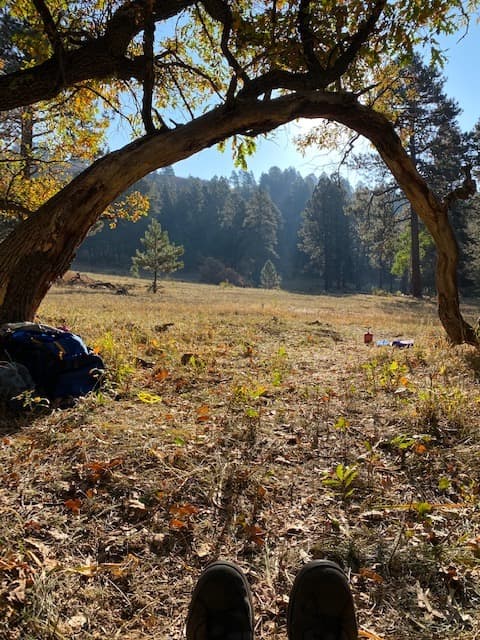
(254, 426)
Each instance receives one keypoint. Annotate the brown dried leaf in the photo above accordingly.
(370, 574)
(161, 375)
(73, 505)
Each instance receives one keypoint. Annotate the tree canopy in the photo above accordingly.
(199, 73)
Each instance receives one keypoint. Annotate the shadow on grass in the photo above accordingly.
(15, 420)
(472, 358)
(87, 291)
(406, 302)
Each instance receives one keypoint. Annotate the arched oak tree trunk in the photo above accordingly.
(42, 247)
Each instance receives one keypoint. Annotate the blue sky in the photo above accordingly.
(462, 73)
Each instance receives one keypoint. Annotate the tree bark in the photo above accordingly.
(26, 141)
(415, 271)
(41, 248)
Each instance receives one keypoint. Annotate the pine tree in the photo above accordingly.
(160, 255)
(427, 122)
(377, 227)
(434, 143)
(269, 278)
(289, 192)
(259, 234)
(325, 234)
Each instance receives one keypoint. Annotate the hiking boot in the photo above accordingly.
(221, 606)
(321, 604)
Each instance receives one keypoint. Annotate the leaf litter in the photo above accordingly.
(271, 445)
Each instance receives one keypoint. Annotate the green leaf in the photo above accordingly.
(444, 483)
(342, 424)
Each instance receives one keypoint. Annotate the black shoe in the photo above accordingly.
(321, 604)
(221, 606)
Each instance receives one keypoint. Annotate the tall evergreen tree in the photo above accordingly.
(377, 224)
(290, 192)
(259, 237)
(427, 121)
(232, 215)
(325, 235)
(470, 217)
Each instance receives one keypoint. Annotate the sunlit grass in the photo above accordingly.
(254, 425)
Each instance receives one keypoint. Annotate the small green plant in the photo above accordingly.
(282, 352)
(30, 400)
(444, 483)
(438, 402)
(393, 376)
(342, 480)
(404, 443)
(389, 375)
(279, 366)
(195, 362)
(276, 378)
(248, 397)
(106, 345)
(342, 424)
(119, 379)
(245, 394)
(423, 509)
(370, 369)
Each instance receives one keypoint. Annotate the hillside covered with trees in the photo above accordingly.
(320, 234)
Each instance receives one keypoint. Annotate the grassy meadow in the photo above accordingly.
(250, 425)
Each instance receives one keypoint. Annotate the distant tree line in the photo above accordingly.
(312, 233)
(229, 228)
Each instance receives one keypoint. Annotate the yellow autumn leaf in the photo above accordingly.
(148, 398)
(116, 569)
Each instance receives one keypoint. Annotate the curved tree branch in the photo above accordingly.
(359, 38)
(307, 38)
(465, 191)
(50, 27)
(149, 77)
(104, 57)
(220, 11)
(42, 247)
(316, 77)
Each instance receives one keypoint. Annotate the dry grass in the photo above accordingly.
(279, 438)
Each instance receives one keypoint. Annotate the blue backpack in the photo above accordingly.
(59, 362)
